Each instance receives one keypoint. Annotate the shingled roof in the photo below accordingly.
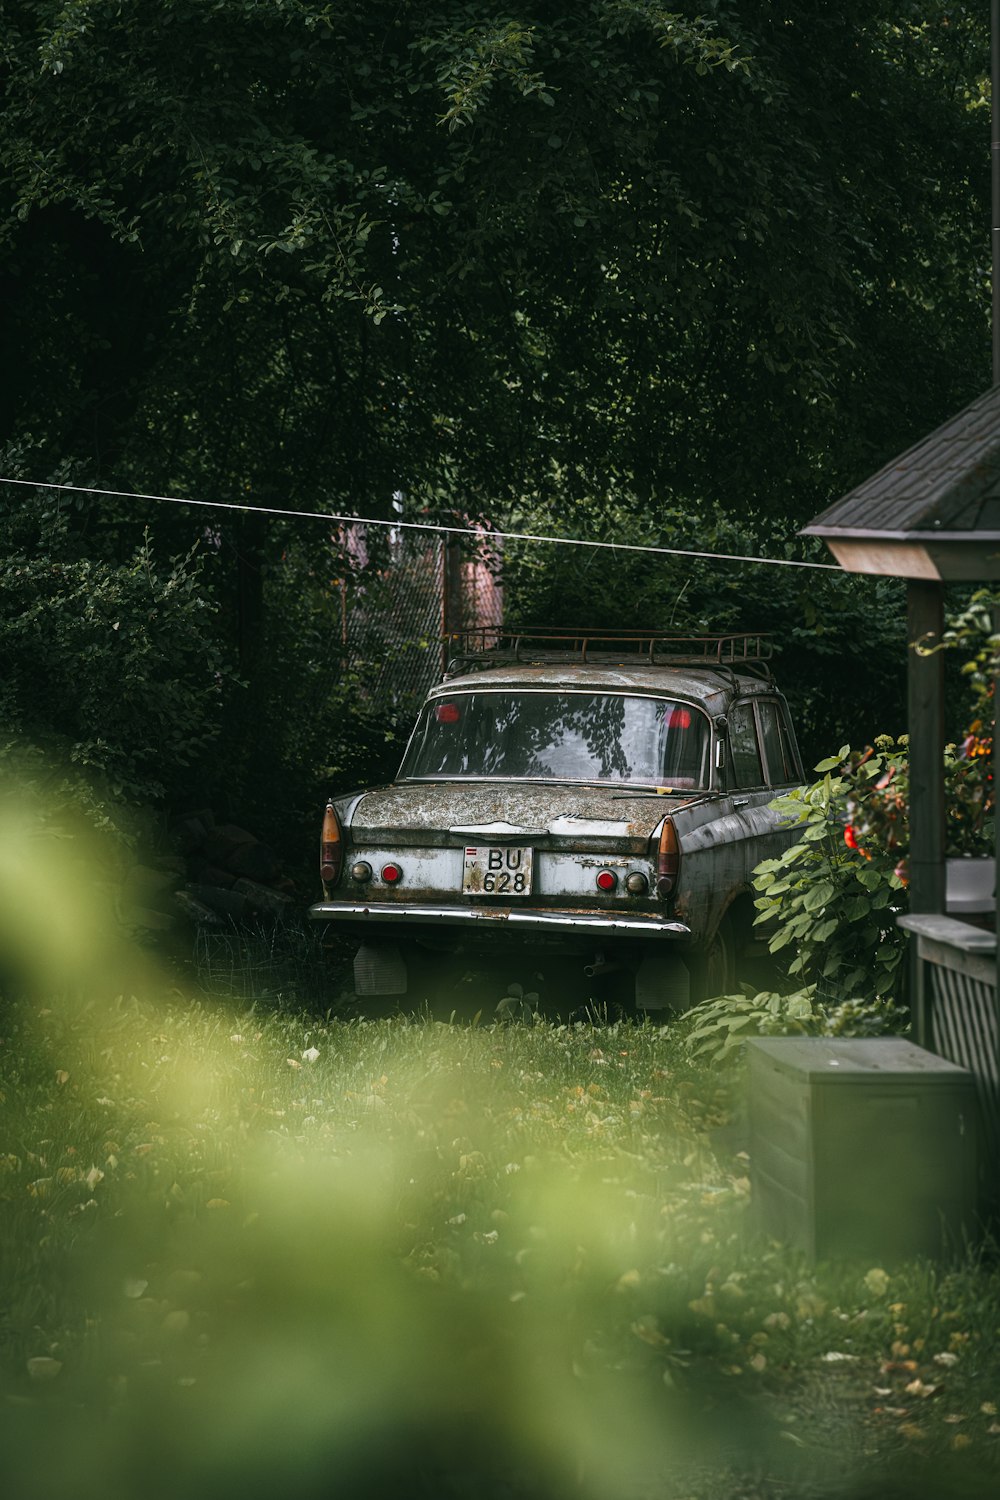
(932, 512)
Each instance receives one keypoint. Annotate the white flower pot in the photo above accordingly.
(970, 884)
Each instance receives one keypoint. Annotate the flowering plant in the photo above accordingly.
(877, 812)
(832, 899)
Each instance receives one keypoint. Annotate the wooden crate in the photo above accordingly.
(863, 1147)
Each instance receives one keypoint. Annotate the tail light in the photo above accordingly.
(668, 859)
(331, 849)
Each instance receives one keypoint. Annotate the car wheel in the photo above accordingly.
(715, 970)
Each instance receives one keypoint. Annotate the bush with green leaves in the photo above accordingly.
(718, 1027)
(114, 681)
(832, 899)
(308, 722)
(832, 903)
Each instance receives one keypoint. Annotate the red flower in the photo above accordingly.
(851, 838)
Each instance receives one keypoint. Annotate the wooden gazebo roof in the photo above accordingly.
(931, 513)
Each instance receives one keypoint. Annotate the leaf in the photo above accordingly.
(819, 895)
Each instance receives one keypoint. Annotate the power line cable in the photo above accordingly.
(480, 534)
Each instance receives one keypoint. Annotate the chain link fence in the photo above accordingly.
(403, 592)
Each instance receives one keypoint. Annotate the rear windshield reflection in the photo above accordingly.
(561, 737)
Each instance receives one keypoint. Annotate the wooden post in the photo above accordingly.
(996, 845)
(925, 722)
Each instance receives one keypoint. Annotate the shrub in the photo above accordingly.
(114, 681)
(719, 1026)
(832, 898)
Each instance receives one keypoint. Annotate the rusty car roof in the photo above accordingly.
(711, 688)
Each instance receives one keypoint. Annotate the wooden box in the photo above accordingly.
(863, 1147)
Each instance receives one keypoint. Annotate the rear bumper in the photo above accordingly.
(499, 919)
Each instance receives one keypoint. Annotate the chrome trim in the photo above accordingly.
(447, 690)
(648, 788)
(524, 921)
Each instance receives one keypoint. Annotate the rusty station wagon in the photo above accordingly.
(600, 800)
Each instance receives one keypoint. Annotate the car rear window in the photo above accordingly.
(541, 736)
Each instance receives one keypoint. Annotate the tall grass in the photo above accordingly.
(248, 1253)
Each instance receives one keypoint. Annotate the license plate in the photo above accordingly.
(497, 872)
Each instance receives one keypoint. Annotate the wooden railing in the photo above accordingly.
(955, 1010)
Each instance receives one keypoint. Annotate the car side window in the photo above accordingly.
(775, 738)
(743, 748)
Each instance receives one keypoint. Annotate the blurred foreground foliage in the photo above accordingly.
(245, 1254)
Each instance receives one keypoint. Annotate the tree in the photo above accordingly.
(563, 263)
(320, 253)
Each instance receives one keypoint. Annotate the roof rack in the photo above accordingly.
(492, 644)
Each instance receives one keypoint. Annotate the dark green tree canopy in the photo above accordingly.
(491, 255)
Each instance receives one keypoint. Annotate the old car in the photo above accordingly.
(597, 801)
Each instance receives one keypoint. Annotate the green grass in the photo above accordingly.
(246, 1252)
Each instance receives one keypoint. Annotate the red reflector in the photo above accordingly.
(606, 881)
(447, 713)
(680, 718)
(391, 874)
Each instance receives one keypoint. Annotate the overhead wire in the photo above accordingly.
(395, 524)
